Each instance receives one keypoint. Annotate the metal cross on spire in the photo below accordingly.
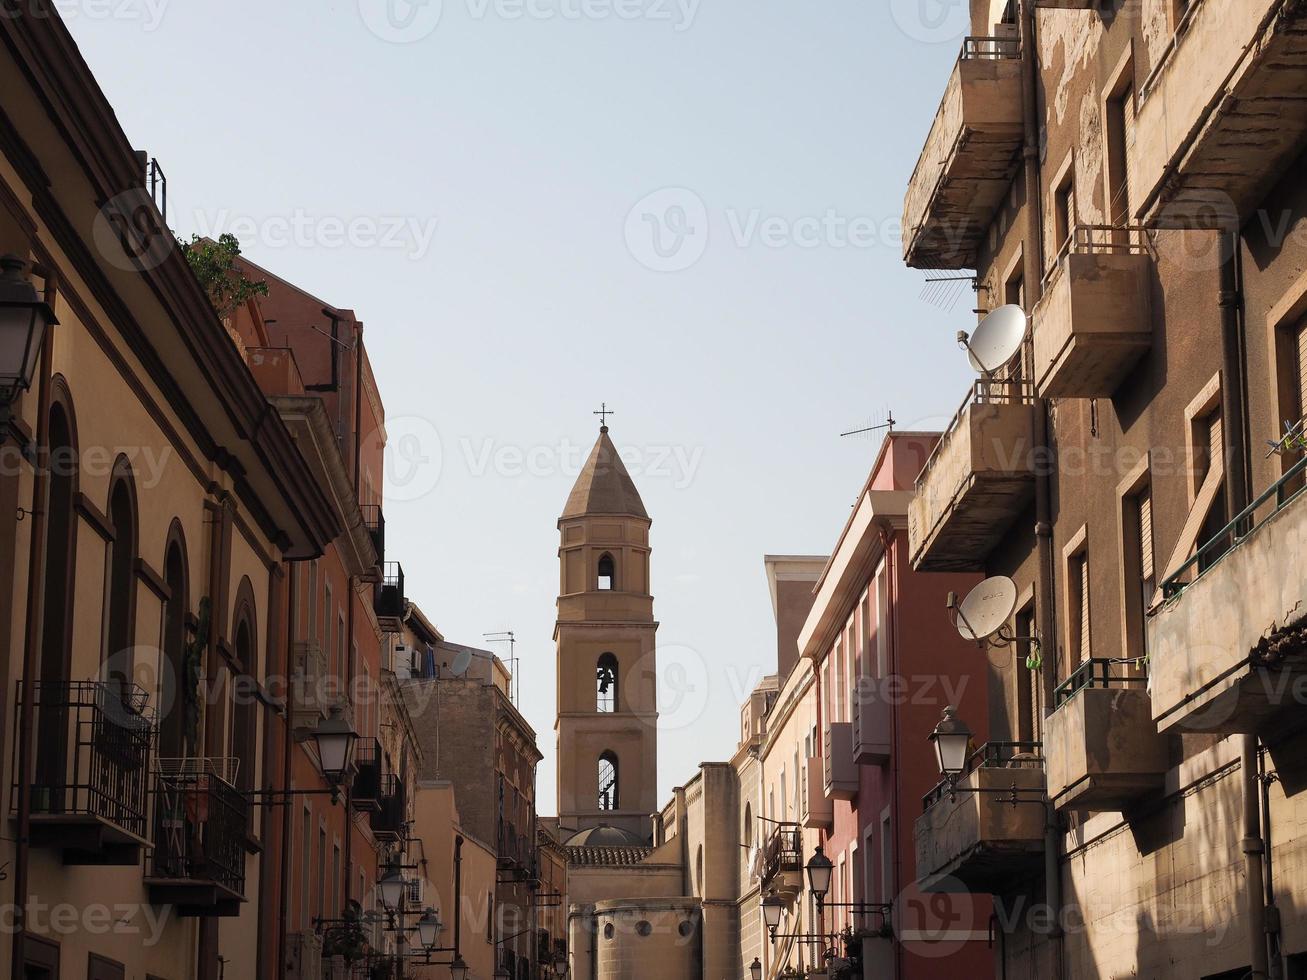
(603, 413)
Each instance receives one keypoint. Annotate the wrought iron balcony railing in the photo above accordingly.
(389, 601)
(367, 774)
(375, 521)
(200, 827)
(991, 755)
(783, 851)
(388, 819)
(90, 764)
(1097, 673)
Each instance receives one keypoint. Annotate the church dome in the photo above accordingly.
(605, 836)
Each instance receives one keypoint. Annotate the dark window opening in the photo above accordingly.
(606, 576)
(608, 798)
(606, 684)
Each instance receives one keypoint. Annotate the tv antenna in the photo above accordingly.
(514, 682)
(888, 424)
(996, 340)
(983, 616)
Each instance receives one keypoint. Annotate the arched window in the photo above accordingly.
(122, 576)
(606, 577)
(608, 788)
(245, 647)
(52, 721)
(172, 726)
(748, 825)
(606, 684)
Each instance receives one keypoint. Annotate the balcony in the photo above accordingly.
(200, 821)
(366, 794)
(1222, 114)
(1094, 321)
(969, 159)
(375, 522)
(91, 763)
(840, 775)
(782, 861)
(818, 808)
(1236, 667)
(388, 819)
(872, 717)
(980, 477)
(1101, 747)
(979, 841)
(389, 601)
(313, 689)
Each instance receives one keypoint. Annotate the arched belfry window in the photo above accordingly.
(606, 684)
(606, 573)
(608, 781)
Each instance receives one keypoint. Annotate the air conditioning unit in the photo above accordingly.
(413, 890)
(401, 661)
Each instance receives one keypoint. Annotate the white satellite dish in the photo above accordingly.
(462, 661)
(997, 339)
(986, 608)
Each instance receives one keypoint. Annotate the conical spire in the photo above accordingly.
(604, 486)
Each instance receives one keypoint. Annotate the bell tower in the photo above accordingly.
(607, 722)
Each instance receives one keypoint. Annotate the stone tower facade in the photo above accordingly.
(607, 690)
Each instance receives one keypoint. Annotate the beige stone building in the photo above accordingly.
(1131, 176)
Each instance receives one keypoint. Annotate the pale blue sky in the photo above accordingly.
(789, 130)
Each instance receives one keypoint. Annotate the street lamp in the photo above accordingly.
(952, 739)
(772, 907)
(335, 738)
(820, 868)
(392, 887)
(429, 926)
(755, 969)
(24, 318)
(502, 974)
(458, 969)
(560, 965)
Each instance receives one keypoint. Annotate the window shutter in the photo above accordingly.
(1128, 128)
(1216, 446)
(1147, 567)
(1302, 370)
(1085, 651)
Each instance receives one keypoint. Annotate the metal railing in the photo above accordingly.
(1097, 672)
(388, 819)
(1244, 524)
(390, 591)
(1087, 239)
(1000, 391)
(783, 851)
(91, 753)
(991, 755)
(991, 49)
(367, 772)
(200, 823)
(375, 521)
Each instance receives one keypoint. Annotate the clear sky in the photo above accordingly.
(685, 208)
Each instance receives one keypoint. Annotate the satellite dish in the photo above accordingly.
(462, 661)
(986, 608)
(997, 339)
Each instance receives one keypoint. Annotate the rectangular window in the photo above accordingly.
(785, 799)
(1064, 211)
(1120, 149)
(882, 623)
(886, 860)
(1080, 616)
(1026, 679)
(306, 865)
(338, 660)
(326, 619)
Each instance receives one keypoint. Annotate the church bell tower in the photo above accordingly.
(607, 722)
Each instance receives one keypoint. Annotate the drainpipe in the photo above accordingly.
(32, 648)
(1236, 494)
(1032, 280)
(287, 816)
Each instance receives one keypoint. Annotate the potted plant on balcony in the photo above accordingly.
(347, 940)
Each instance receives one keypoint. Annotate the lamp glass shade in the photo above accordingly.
(24, 318)
(772, 907)
(391, 887)
(429, 927)
(502, 974)
(458, 969)
(820, 868)
(755, 969)
(335, 738)
(952, 740)
(560, 965)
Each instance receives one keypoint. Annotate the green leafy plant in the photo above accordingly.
(214, 266)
